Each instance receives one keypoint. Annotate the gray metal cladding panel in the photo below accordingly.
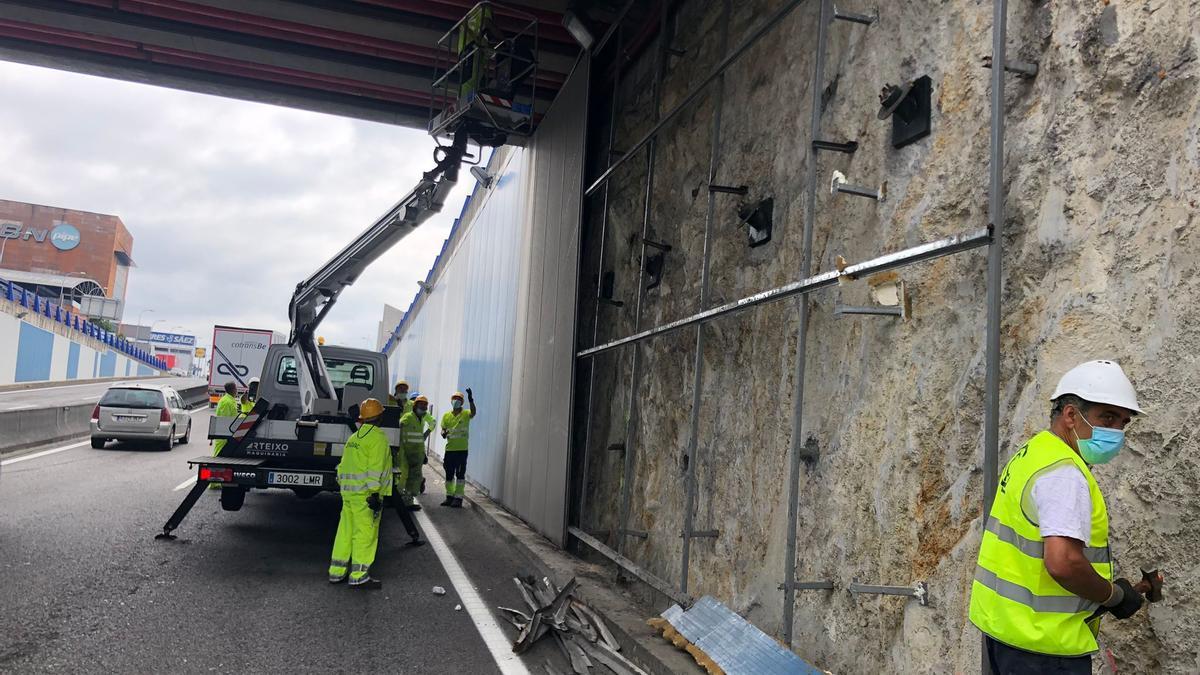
(536, 477)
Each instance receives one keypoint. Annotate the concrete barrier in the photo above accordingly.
(21, 429)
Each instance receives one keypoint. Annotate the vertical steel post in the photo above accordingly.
(795, 446)
(635, 371)
(991, 413)
(612, 135)
(698, 362)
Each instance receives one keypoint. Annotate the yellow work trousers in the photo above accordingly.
(415, 456)
(356, 540)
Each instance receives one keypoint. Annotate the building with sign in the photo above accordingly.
(80, 257)
(177, 350)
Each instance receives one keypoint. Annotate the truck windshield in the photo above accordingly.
(340, 372)
(132, 398)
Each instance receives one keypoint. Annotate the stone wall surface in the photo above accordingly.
(1102, 158)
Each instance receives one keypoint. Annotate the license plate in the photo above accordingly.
(129, 418)
(296, 479)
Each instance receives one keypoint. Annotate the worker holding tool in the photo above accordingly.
(364, 476)
(1045, 572)
(415, 427)
(399, 397)
(456, 428)
(227, 406)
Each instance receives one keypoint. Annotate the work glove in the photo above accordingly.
(1124, 603)
(374, 502)
(469, 394)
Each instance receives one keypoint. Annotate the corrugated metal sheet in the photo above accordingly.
(734, 644)
(460, 335)
(536, 467)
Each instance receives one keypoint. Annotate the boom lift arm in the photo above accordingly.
(316, 295)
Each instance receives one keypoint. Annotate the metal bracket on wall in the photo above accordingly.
(606, 290)
(807, 586)
(840, 310)
(864, 19)
(910, 108)
(702, 533)
(840, 184)
(849, 147)
(729, 189)
(1023, 68)
(759, 219)
(655, 244)
(619, 447)
(919, 590)
(634, 533)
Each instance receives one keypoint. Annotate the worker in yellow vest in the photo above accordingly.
(1045, 572)
(227, 406)
(456, 429)
(415, 427)
(250, 396)
(399, 397)
(364, 475)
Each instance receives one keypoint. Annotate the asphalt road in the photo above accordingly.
(86, 588)
(74, 394)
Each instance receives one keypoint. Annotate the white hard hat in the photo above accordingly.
(1099, 382)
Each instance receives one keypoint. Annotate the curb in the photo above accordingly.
(627, 622)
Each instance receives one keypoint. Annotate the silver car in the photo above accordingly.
(141, 412)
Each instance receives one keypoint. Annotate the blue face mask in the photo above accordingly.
(1103, 446)
(457, 404)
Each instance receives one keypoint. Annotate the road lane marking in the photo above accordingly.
(495, 639)
(43, 453)
(185, 484)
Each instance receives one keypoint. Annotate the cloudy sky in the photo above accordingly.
(230, 203)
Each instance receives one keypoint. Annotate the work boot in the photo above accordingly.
(338, 580)
(368, 584)
(416, 541)
(448, 501)
(414, 507)
(457, 503)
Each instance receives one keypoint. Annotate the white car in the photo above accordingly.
(141, 412)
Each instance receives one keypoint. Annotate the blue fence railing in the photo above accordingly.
(53, 311)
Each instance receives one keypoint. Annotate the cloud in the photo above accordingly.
(230, 203)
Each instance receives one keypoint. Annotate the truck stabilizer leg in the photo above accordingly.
(180, 513)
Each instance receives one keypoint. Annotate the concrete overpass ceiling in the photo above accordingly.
(371, 59)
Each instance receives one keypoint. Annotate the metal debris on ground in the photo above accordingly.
(723, 643)
(458, 608)
(577, 629)
(438, 590)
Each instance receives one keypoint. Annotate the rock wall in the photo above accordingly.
(1101, 163)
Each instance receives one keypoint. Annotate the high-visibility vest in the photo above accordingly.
(366, 464)
(412, 430)
(1013, 598)
(458, 429)
(227, 406)
(405, 405)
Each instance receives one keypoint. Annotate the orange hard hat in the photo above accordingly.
(369, 409)
(420, 399)
(458, 395)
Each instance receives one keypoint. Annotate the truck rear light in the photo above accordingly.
(96, 413)
(216, 475)
(164, 415)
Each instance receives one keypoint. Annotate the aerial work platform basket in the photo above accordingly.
(486, 77)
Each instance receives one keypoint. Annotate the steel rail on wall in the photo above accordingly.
(989, 236)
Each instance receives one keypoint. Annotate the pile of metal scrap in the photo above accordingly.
(723, 643)
(578, 629)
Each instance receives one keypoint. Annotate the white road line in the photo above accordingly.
(495, 639)
(43, 453)
(185, 484)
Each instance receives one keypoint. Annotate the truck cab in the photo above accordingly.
(357, 374)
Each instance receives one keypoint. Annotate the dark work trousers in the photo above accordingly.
(1007, 660)
(454, 463)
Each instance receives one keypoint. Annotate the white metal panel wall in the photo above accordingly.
(536, 468)
(461, 334)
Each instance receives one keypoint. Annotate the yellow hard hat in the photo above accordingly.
(369, 409)
(320, 340)
(458, 395)
(420, 399)
(402, 383)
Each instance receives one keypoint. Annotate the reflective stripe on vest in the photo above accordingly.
(1013, 597)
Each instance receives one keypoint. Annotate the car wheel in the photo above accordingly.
(232, 498)
(170, 442)
(97, 443)
(187, 435)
